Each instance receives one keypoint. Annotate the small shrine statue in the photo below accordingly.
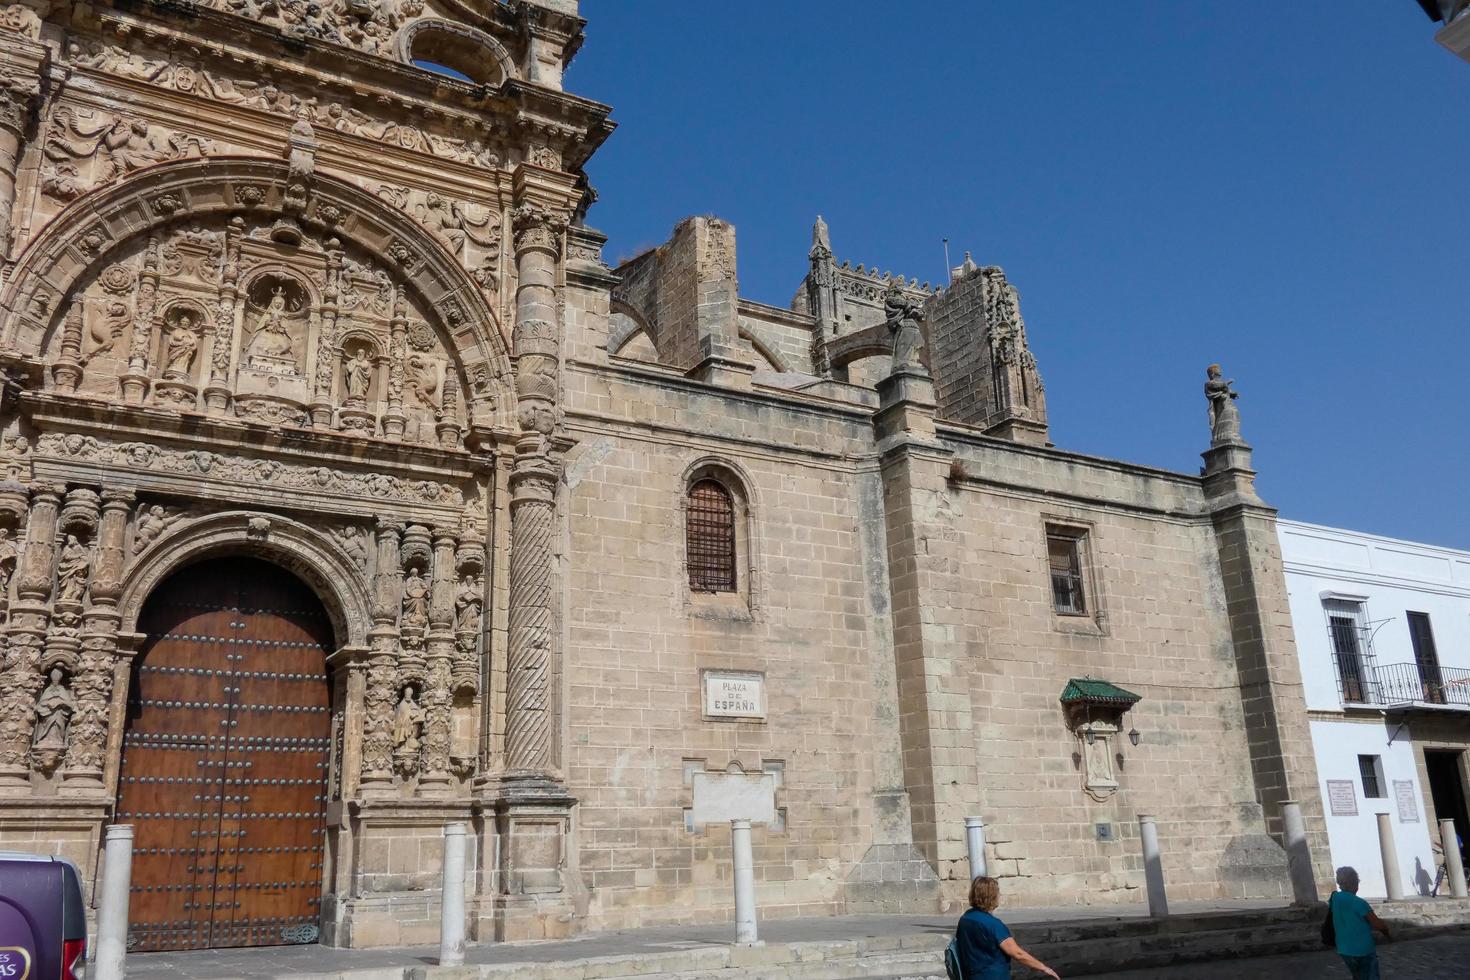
(183, 344)
(1224, 416)
(415, 599)
(8, 556)
(903, 316)
(71, 570)
(357, 375)
(54, 710)
(272, 341)
(467, 604)
(408, 720)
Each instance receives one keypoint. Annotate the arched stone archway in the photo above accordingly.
(305, 552)
(80, 242)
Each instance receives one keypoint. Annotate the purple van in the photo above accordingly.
(43, 927)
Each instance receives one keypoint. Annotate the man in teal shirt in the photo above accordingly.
(1353, 921)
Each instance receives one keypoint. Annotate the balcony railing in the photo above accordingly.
(1404, 684)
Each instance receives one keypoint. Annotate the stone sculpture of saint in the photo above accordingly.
(415, 600)
(1224, 416)
(183, 344)
(71, 570)
(467, 603)
(271, 338)
(408, 718)
(8, 556)
(53, 713)
(903, 316)
(357, 375)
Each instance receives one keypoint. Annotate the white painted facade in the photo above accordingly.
(1375, 704)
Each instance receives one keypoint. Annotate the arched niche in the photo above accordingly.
(81, 242)
(454, 50)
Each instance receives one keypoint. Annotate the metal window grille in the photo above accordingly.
(1347, 628)
(711, 538)
(1064, 554)
(1368, 769)
(1426, 658)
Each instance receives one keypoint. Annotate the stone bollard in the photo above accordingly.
(1452, 863)
(451, 915)
(1392, 879)
(975, 844)
(112, 905)
(1153, 867)
(1298, 855)
(745, 926)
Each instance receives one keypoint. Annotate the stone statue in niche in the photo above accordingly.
(903, 316)
(357, 376)
(415, 600)
(1099, 777)
(54, 710)
(71, 570)
(408, 722)
(8, 556)
(275, 308)
(1224, 416)
(183, 346)
(467, 604)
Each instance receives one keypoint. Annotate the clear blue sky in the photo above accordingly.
(1281, 187)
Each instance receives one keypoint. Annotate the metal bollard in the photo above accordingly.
(1153, 868)
(745, 925)
(1391, 876)
(1452, 863)
(1298, 855)
(112, 906)
(451, 916)
(975, 844)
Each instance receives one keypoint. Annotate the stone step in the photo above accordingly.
(1074, 948)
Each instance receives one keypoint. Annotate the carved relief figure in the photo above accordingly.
(54, 711)
(183, 345)
(8, 556)
(152, 521)
(423, 378)
(415, 600)
(467, 604)
(72, 567)
(104, 333)
(357, 376)
(1224, 416)
(408, 721)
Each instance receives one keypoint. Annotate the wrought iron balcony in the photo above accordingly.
(1405, 685)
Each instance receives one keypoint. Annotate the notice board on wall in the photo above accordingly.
(1407, 799)
(1342, 797)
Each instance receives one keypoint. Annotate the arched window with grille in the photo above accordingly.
(710, 537)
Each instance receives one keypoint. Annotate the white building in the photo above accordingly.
(1383, 633)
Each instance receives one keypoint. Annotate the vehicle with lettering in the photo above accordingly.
(43, 926)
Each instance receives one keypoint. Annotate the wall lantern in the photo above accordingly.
(1133, 735)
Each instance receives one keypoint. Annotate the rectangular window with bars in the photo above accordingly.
(1370, 767)
(1347, 630)
(1064, 557)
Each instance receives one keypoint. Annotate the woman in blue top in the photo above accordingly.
(985, 944)
(1354, 923)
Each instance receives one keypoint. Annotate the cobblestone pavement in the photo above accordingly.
(1442, 958)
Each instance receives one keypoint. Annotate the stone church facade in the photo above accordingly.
(348, 492)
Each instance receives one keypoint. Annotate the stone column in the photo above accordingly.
(217, 391)
(741, 856)
(395, 419)
(20, 89)
(67, 371)
(975, 844)
(1298, 855)
(29, 616)
(435, 778)
(382, 672)
(533, 809)
(1393, 878)
(134, 381)
(86, 757)
(1453, 865)
(451, 911)
(327, 353)
(112, 907)
(1153, 866)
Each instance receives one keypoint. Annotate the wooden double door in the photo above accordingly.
(225, 760)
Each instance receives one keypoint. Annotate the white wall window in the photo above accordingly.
(1347, 627)
(1370, 770)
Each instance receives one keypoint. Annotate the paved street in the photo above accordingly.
(1443, 958)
